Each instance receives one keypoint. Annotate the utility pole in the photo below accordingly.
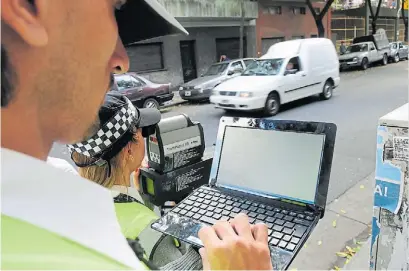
(241, 28)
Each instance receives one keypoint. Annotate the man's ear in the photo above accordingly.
(26, 19)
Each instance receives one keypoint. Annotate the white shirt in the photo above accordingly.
(60, 202)
(61, 164)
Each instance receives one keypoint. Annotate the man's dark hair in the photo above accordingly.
(7, 91)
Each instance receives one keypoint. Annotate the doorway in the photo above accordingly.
(188, 57)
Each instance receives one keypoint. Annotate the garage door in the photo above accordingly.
(267, 42)
(229, 47)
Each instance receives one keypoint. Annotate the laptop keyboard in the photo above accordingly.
(286, 228)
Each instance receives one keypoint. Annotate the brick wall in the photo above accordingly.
(287, 24)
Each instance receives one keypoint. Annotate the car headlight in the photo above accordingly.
(245, 94)
(355, 59)
(180, 88)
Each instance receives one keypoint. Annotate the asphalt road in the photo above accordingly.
(362, 98)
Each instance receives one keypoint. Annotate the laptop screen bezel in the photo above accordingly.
(321, 128)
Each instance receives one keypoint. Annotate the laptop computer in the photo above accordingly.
(275, 171)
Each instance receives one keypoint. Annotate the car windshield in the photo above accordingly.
(216, 69)
(394, 45)
(357, 48)
(264, 67)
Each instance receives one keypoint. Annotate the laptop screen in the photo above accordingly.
(272, 163)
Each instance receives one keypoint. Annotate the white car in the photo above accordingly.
(290, 70)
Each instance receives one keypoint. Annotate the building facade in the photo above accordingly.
(287, 19)
(214, 30)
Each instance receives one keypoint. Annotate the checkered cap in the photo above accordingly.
(109, 133)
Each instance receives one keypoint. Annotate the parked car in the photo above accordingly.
(399, 51)
(141, 91)
(201, 88)
(365, 51)
(290, 70)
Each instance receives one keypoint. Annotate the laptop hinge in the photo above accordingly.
(314, 209)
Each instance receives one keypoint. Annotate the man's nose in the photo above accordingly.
(119, 60)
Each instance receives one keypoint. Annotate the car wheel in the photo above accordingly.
(364, 64)
(326, 93)
(272, 105)
(396, 58)
(151, 103)
(385, 60)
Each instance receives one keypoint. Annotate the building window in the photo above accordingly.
(272, 10)
(145, 57)
(299, 10)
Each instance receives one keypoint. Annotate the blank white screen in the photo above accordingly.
(271, 162)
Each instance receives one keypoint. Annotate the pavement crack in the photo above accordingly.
(350, 218)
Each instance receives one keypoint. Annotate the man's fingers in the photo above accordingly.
(224, 229)
(208, 236)
(242, 226)
(205, 259)
(260, 232)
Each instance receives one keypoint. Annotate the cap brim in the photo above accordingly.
(144, 19)
(149, 117)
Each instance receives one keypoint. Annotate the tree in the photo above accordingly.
(405, 20)
(318, 17)
(374, 16)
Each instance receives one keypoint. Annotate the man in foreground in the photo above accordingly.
(58, 58)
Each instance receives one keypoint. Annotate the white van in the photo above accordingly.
(290, 70)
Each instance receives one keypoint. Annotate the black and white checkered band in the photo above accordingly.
(110, 132)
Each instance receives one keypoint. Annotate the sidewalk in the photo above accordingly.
(361, 260)
(177, 100)
(346, 222)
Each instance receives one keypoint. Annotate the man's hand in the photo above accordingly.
(235, 245)
(136, 173)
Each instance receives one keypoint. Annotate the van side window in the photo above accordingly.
(294, 64)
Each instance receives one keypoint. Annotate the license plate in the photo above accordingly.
(188, 93)
(225, 101)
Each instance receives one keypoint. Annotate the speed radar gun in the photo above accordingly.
(175, 159)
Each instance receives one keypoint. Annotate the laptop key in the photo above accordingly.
(277, 235)
(208, 220)
(244, 206)
(208, 197)
(278, 228)
(211, 208)
(202, 211)
(270, 232)
(309, 213)
(284, 212)
(225, 212)
(295, 240)
(218, 210)
(310, 218)
(290, 247)
(262, 217)
(236, 204)
(229, 202)
(182, 206)
(269, 225)
(270, 219)
(299, 231)
(277, 210)
(249, 202)
(190, 214)
(221, 205)
(206, 201)
(209, 214)
(252, 220)
(245, 212)
(279, 222)
(199, 200)
(280, 216)
(270, 213)
(269, 208)
(282, 244)
(252, 209)
(189, 207)
(202, 195)
(222, 200)
(183, 212)
(236, 210)
(262, 206)
(287, 238)
(195, 209)
(228, 207)
(274, 241)
(252, 214)
(196, 216)
(203, 206)
(302, 222)
(213, 203)
(288, 231)
(192, 198)
(293, 214)
(260, 211)
(222, 196)
(255, 204)
(288, 218)
(217, 216)
(241, 201)
(232, 214)
(289, 225)
(301, 216)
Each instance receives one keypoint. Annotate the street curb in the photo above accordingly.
(361, 259)
(174, 104)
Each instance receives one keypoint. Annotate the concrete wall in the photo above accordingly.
(205, 45)
(288, 24)
(209, 8)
